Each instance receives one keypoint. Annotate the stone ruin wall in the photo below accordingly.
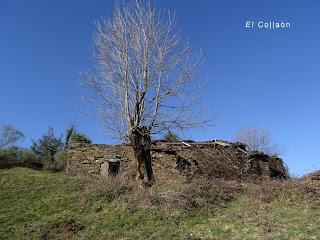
(93, 160)
(89, 159)
(176, 161)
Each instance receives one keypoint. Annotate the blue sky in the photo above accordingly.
(258, 77)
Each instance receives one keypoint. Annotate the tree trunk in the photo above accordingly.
(141, 142)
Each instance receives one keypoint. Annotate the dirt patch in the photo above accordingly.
(66, 229)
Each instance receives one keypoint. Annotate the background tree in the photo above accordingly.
(9, 136)
(47, 147)
(258, 140)
(144, 79)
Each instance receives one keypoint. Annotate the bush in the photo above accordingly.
(46, 148)
(27, 158)
(60, 160)
(22, 157)
(58, 163)
(8, 157)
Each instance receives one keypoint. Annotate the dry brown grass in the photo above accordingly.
(107, 188)
(205, 194)
(175, 196)
(284, 190)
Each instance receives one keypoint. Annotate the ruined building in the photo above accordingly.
(179, 160)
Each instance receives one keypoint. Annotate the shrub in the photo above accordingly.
(60, 160)
(21, 157)
(58, 163)
(27, 158)
(46, 148)
(8, 157)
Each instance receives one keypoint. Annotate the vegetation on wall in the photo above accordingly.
(80, 138)
(73, 136)
(171, 137)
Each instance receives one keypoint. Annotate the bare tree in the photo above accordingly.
(9, 136)
(144, 78)
(258, 140)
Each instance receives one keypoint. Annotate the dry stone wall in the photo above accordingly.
(94, 160)
(215, 159)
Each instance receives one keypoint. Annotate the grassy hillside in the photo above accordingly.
(42, 205)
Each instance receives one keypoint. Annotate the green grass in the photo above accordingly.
(43, 205)
(246, 219)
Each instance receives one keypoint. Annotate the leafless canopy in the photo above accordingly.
(9, 136)
(259, 140)
(145, 71)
